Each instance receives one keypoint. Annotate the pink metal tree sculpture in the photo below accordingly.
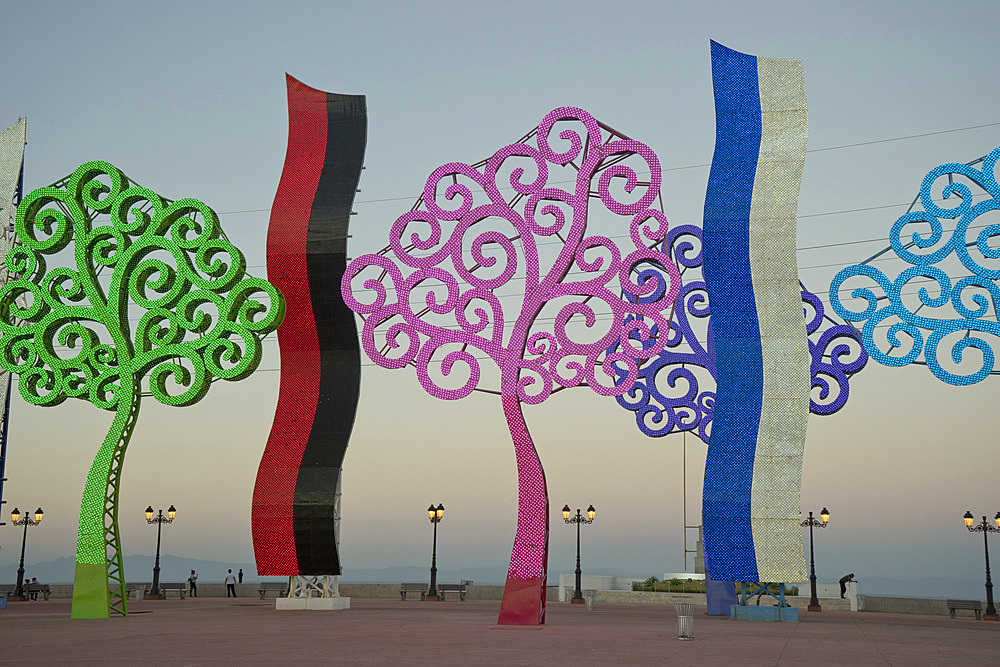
(577, 282)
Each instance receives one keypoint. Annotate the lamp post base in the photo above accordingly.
(986, 617)
(814, 607)
(578, 601)
(157, 596)
(17, 598)
(432, 598)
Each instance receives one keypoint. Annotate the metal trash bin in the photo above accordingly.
(685, 622)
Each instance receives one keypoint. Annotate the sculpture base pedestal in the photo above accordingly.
(321, 604)
(773, 614)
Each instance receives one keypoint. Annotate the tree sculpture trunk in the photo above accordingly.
(524, 594)
(99, 581)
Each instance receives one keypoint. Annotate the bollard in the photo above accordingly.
(685, 622)
(590, 598)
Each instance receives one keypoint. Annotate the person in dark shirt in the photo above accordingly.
(843, 583)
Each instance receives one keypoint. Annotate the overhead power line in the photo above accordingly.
(699, 166)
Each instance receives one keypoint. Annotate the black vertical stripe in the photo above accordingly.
(340, 358)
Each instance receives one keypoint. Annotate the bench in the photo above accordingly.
(279, 586)
(180, 588)
(32, 590)
(452, 588)
(406, 588)
(133, 588)
(974, 605)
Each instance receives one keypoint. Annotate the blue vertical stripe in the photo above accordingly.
(729, 550)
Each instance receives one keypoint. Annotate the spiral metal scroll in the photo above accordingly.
(670, 395)
(963, 304)
(435, 246)
(128, 252)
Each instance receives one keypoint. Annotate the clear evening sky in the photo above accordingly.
(190, 101)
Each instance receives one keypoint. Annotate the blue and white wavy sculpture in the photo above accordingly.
(753, 471)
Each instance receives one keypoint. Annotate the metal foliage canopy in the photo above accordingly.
(431, 298)
(67, 330)
(954, 272)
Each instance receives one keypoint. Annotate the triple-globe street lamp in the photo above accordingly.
(818, 523)
(159, 520)
(435, 514)
(578, 518)
(984, 527)
(15, 517)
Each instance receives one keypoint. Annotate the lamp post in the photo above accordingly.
(15, 518)
(578, 519)
(159, 520)
(984, 528)
(435, 514)
(820, 523)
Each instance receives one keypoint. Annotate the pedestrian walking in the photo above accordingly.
(193, 584)
(230, 584)
(239, 575)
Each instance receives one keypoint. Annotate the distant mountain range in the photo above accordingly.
(174, 568)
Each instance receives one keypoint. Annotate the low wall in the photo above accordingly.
(900, 605)
(372, 591)
(698, 599)
(391, 591)
(866, 603)
(567, 584)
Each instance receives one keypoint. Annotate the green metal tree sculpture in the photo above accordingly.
(68, 330)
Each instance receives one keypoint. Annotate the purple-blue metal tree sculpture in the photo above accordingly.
(675, 391)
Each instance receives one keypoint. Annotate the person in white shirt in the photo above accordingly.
(230, 584)
(193, 584)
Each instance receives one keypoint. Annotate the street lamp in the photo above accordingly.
(159, 520)
(984, 528)
(435, 514)
(578, 519)
(15, 518)
(820, 523)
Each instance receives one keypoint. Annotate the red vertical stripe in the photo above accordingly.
(274, 490)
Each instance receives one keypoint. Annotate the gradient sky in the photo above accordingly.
(191, 102)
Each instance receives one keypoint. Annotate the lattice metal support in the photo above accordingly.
(316, 586)
(118, 601)
(759, 589)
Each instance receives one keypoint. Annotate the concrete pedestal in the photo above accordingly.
(325, 604)
(754, 613)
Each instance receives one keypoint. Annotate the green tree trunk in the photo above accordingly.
(99, 583)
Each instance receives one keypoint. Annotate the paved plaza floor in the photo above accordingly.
(389, 632)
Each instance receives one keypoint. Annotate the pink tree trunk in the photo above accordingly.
(524, 594)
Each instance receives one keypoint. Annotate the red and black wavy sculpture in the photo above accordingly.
(296, 493)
